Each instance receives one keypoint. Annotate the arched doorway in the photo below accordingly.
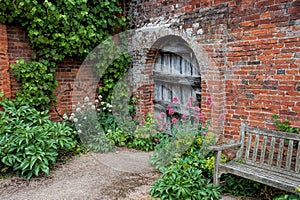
(176, 73)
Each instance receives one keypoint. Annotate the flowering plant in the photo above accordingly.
(85, 116)
(185, 131)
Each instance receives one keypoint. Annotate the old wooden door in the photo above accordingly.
(176, 73)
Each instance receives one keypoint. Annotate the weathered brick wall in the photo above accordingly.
(4, 64)
(253, 48)
(15, 45)
(18, 48)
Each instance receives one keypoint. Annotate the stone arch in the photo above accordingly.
(146, 41)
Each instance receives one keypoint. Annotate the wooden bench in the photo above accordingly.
(268, 157)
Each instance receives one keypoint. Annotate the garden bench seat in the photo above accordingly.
(265, 156)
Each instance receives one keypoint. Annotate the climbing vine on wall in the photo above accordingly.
(58, 29)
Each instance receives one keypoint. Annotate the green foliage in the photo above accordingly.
(37, 83)
(113, 73)
(239, 186)
(118, 137)
(284, 125)
(30, 142)
(59, 29)
(210, 164)
(145, 136)
(287, 197)
(180, 182)
(89, 129)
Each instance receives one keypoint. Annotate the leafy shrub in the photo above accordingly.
(184, 183)
(284, 125)
(287, 197)
(88, 127)
(145, 136)
(30, 142)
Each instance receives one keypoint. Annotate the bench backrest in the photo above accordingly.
(269, 148)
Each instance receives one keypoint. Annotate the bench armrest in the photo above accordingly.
(225, 146)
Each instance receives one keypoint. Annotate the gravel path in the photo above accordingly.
(125, 175)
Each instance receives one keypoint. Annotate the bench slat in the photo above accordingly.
(271, 153)
(263, 151)
(248, 147)
(280, 152)
(272, 133)
(297, 168)
(254, 156)
(266, 176)
(289, 154)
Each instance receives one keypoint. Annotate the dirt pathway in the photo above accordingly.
(124, 175)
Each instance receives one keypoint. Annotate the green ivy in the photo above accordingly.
(59, 29)
(37, 83)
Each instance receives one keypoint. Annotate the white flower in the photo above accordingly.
(98, 109)
(102, 103)
(100, 97)
(79, 131)
(86, 99)
(109, 110)
(93, 107)
(104, 108)
(65, 117)
(90, 103)
(72, 115)
(78, 109)
(108, 105)
(79, 124)
(75, 120)
(96, 101)
(108, 131)
(84, 118)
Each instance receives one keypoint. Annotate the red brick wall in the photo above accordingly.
(18, 48)
(4, 64)
(255, 46)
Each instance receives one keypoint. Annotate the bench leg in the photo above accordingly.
(217, 155)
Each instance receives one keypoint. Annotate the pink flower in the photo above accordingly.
(208, 100)
(185, 116)
(145, 135)
(165, 124)
(158, 117)
(196, 108)
(211, 105)
(200, 116)
(159, 123)
(191, 99)
(175, 99)
(174, 120)
(143, 122)
(156, 140)
(161, 129)
(221, 117)
(204, 133)
(169, 106)
(162, 114)
(188, 104)
(171, 111)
